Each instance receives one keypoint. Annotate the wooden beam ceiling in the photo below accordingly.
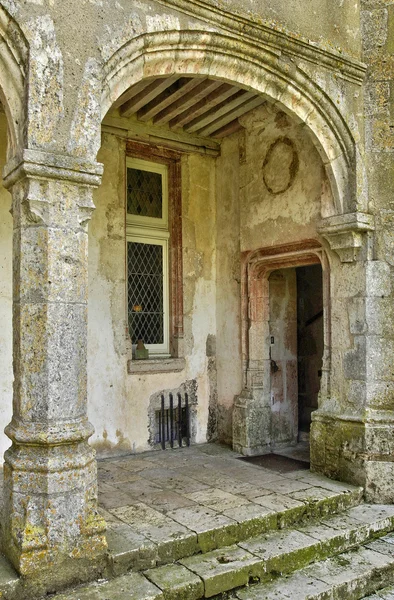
(196, 105)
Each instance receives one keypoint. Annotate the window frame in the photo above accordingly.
(167, 161)
(149, 167)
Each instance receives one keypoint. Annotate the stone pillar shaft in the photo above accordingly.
(50, 476)
(352, 432)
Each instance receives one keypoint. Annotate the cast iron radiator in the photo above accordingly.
(173, 423)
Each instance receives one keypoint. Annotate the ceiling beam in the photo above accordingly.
(230, 116)
(218, 111)
(207, 103)
(186, 101)
(131, 92)
(228, 129)
(148, 94)
(170, 95)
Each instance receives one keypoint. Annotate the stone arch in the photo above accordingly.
(13, 67)
(234, 61)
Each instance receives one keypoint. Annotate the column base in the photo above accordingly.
(51, 525)
(357, 451)
(251, 426)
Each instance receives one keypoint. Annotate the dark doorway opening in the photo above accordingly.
(310, 343)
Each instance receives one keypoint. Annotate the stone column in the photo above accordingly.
(51, 521)
(352, 432)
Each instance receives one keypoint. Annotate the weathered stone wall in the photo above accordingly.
(378, 54)
(62, 67)
(6, 376)
(334, 23)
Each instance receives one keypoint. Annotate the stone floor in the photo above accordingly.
(205, 490)
(198, 522)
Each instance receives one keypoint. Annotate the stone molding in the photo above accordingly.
(48, 165)
(156, 365)
(251, 65)
(50, 434)
(273, 39)
(39, 168)
(346, 233)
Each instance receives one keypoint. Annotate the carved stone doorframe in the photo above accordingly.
(252, 408)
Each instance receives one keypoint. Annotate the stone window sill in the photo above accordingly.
(156, 365)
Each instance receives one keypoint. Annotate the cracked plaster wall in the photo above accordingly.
(275, 218)
(119, 402)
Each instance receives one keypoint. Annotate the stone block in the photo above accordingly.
(132, 586)
(380, 315)
(378, 485)
(357, 316)
(176, 582)
(380, 365)
(380, 395)
(283, 552)
(354, 361)
(213, 530)
(252, 520)
(299, 587)
(173, 540)
(129, 550)
(288, 510)
(225, 569)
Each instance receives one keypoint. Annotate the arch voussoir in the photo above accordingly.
(200, 53)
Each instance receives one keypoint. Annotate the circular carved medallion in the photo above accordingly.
(280, 166)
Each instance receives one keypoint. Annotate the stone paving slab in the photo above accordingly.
(217, 499)
(252, 520)
(213, 530)
(299, 586)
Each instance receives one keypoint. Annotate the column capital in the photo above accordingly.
(345, 233)
(48, 165)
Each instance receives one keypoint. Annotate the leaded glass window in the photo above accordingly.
(145, 292)
(147, 254)
(144, 193)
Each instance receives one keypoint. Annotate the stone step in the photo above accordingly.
(139, 537)
(264, 557)
(386, 593)
(349, 575)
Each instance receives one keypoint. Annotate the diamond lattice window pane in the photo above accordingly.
(145, 292)
(144, 193)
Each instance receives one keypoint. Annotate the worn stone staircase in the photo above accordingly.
(329, 547)
(336, 548)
